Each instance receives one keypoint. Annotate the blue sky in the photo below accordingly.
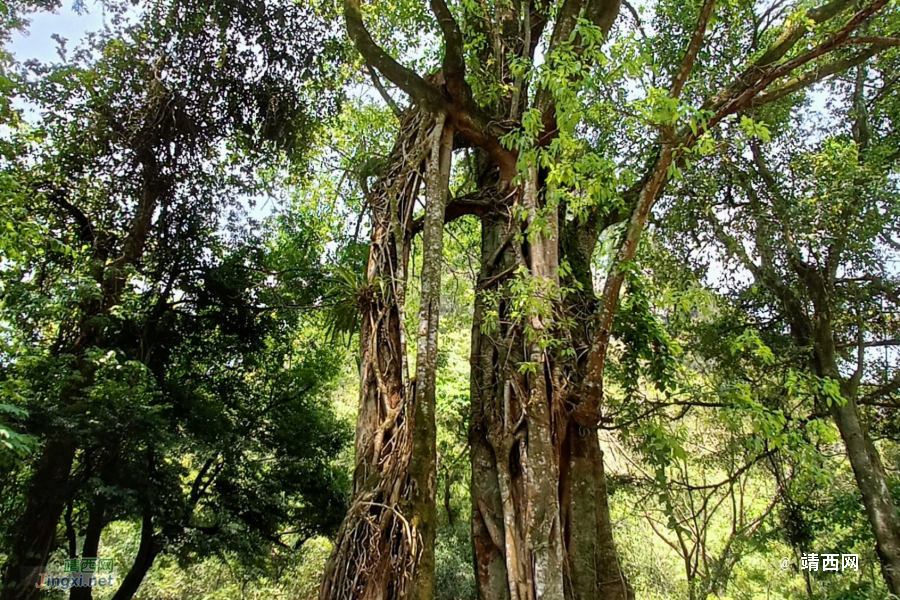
(37, 43)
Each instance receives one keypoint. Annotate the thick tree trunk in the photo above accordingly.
(591, 553)
(384, 549)
(489, 529)
(542, 406)
(519, 387)
(516, 528)
(497, 523)
(35, 533)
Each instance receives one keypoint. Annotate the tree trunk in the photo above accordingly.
(548, 442)
(519, 385)
(864, 458)
(872, 482)
(35, 534)
(497, 523)
(591, 552)
(542, 406)
(91, 547)
(384, 549)
(594, 569)
(146, 554)
(423, 459)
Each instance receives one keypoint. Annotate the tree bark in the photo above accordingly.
(542, 409)
(864, 457)
(539, 497)
(591, 552)
(423, 459)
(147, 552)
(594, 569)
(91, 547)
(35, 534)
(872, 481)
(496, 528)
(389, 529)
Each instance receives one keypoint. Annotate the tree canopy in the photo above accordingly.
(506, 299)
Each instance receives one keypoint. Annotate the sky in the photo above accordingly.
(37, 43)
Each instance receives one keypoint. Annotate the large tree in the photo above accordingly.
(575, 119)
(812, 222)
(149, 136)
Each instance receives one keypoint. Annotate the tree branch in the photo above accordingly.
(407, 80)
(860, 355)
(768, 75)
(876, 40)
(454, 65)
(636, 16)
(616, 276)
(601, 13)
(471, 204)
(790, 37)
(814, 76)
(776, 51)
(565, 23)
(694, 46)
(85, 228)
(875, 344)
(376, 81)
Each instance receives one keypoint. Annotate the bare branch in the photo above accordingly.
(470, 204)
(875, 344)
(880, 391)
(636, 17)
(731, 478)
(876, 40)
(85, 228)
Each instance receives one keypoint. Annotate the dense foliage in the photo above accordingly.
(661, 240)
